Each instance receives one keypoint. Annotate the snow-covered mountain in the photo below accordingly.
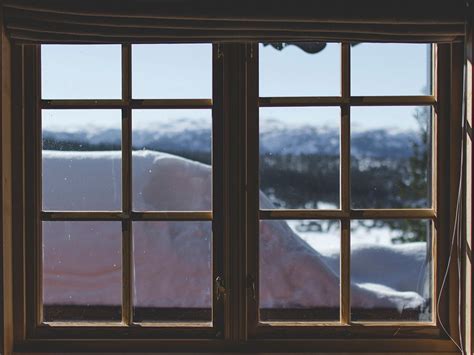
(277, 138)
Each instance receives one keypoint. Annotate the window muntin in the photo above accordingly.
(142, 265)
(401, 215)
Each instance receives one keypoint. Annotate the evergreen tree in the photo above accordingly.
(415, 182)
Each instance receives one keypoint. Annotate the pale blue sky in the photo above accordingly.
(185, 71)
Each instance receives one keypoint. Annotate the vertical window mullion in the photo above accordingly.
(441, 170)
(253, 185)
(218, 173)
(345, 192)
(235, 97)
(36, 98)
(127, 303)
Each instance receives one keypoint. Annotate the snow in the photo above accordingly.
(172, 259)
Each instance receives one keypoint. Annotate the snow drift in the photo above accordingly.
(172, 267)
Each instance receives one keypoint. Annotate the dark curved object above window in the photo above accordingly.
(308, 47)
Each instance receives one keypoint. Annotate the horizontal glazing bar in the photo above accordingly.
(82, 104)
(353, 214)
(353, 101)
(300, 101)
(119, 216)
(172, 216)
(302, 214)
(391, 100)
(116, 325)
(134, 104)
(263, 102)
(293, 324)
(82, 216)
(405, 213)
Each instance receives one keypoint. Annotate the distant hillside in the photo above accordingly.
(279, 139)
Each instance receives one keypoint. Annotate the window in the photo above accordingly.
(127, 189)
(236, 194)
(348, 185)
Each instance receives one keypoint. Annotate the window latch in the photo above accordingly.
(220, 287)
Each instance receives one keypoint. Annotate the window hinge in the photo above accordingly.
(221, 291)
(220, 53)
(251, 286)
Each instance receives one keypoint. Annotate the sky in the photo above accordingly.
(185, 71)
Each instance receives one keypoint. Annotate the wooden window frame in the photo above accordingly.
(35, 215)
(235, 121)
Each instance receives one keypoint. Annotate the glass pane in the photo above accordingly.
(82, 271)
(171, 160)
(172, 71)
(81, 160)
(300, 69)
(299, 270)
(299, 157)
(172, 271)
(81, 71)
(391, 69)
(391, 270)
(391, 150)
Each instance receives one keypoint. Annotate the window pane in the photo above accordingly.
(81, 160)
(391, 270)
(171, 160)
(391, 150)
(299, 157)
(391, 69)
(306, 69)
(82, 271)
(172, 71)
(172, 271)
(81, 71)
(299, 270)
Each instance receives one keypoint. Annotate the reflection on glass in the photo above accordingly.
(172, 271)
(299, 157)
(82, 271)
(311, 69)
(299, 270)
(171, 160)
(391, 69)
(391, 150)
(81, 71)
(172, 71)
(391, 270)
(81, 160)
